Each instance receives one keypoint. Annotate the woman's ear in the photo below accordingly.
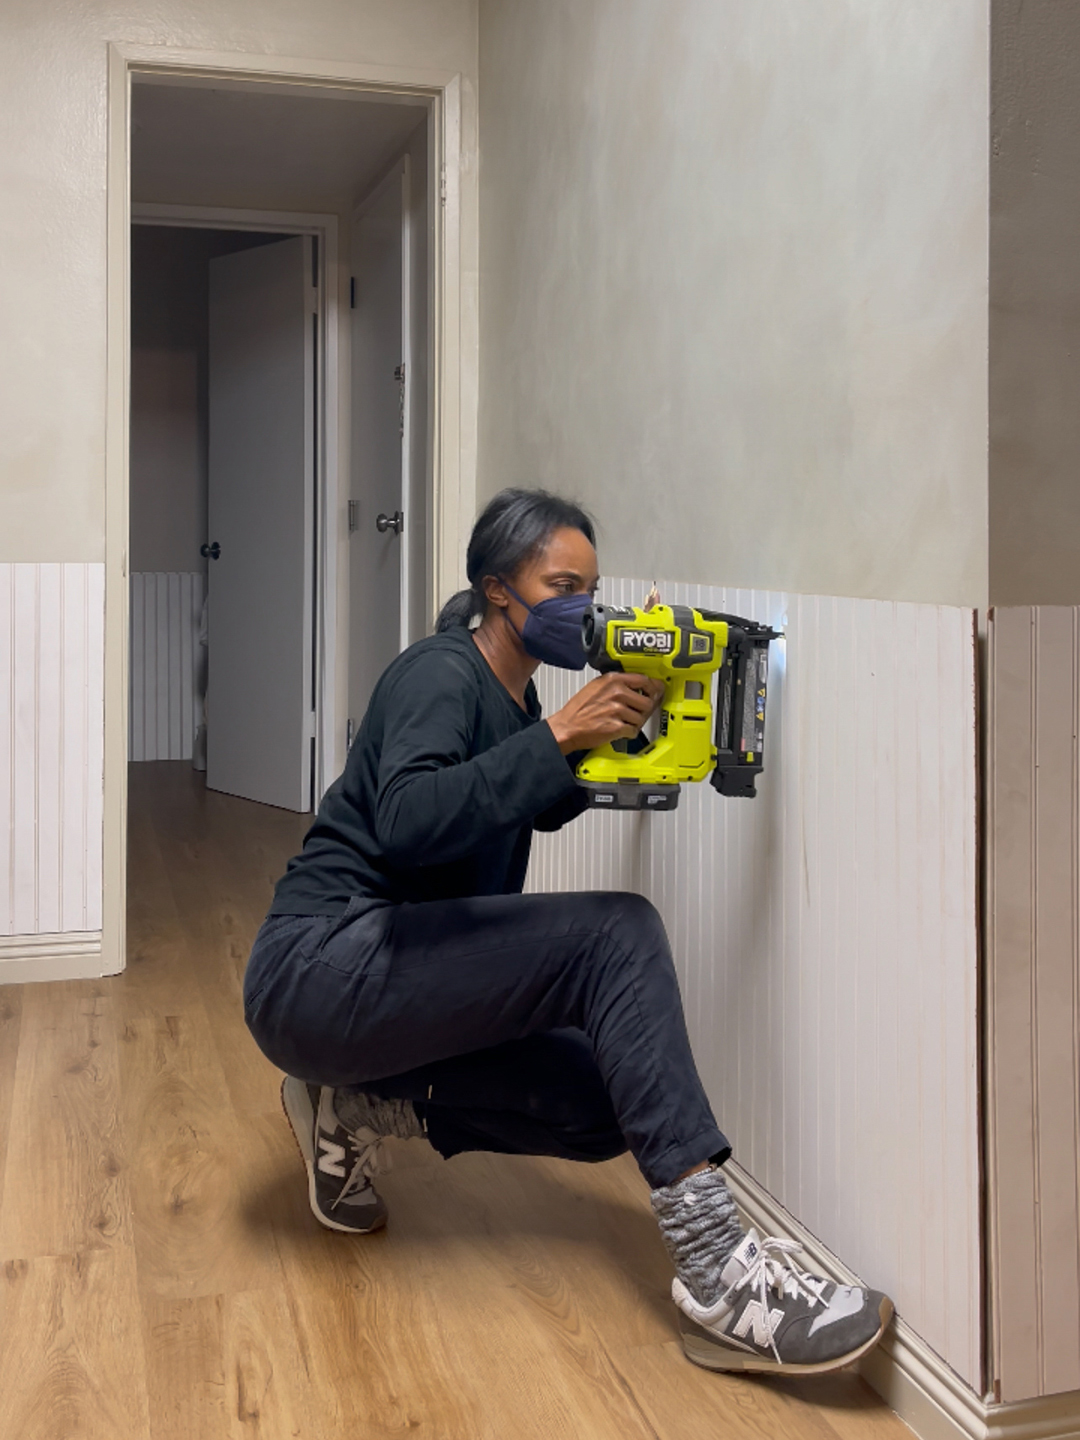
(495, 592)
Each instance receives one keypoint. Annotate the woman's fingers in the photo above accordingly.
(611, 707)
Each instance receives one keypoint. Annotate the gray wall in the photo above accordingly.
(734, 284)
(169, 398)
(1035, 304)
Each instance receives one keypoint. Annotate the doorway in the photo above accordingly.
(265, 195)
(222, 465)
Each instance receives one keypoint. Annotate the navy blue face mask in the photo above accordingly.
(552, 632)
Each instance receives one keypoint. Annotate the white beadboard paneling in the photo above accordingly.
(51, 747)
(825, 939)
(165, 659)
(1033, 999)
(7, 744)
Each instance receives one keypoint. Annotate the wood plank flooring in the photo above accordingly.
(161, 1276)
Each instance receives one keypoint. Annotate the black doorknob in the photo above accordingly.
(210, 552)
(395, 522)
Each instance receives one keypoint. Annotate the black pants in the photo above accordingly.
(528, 1024)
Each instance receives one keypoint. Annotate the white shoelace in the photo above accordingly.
(371, 1159)
(774, 1269)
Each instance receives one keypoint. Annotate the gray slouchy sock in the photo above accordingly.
(701, 1228)
(357, 1110)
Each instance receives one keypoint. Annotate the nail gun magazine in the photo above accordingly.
(685, 648)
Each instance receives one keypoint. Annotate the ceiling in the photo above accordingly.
(251, 148)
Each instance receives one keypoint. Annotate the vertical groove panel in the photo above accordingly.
(1033, 882)
(24, 719)
(52, 658)
(165, 652)
(824, 937)
(77, 778)
(94, 809)
(7, 747)
(50, 699)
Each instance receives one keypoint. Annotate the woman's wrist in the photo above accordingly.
(563, 738)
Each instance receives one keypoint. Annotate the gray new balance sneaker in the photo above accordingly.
(775, 1317)
(340, 1165)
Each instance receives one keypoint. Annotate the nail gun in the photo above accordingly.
(683, 647)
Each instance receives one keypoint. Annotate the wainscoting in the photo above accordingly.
(825, 935)
(51, 742)
(165, 664)
(1033, 1000)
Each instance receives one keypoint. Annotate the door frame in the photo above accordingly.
(454, 365)
(328, 468)
(399, 171)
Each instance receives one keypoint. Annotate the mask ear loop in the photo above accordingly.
(516, 596)
(506, 613)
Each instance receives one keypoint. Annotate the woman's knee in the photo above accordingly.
(636, 924)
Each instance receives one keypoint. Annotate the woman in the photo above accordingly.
(408, 988)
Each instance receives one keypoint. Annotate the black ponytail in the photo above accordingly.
(511, 529)
(460, 609)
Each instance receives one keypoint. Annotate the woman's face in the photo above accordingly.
(566, 566)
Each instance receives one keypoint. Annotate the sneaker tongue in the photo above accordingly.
(740, 1260)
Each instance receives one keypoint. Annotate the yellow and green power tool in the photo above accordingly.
(684, 648)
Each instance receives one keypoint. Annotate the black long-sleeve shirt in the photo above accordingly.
(442, 789)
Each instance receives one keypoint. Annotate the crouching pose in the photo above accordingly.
(408, 988)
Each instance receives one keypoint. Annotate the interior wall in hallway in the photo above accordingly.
(54, 96)
(1033, 999)
(733, 284)
(52, 620)
(1035, 304)
(166, 665)
(169, 347)
(825, 938)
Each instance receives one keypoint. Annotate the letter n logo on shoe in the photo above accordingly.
(763, 1322)
(332, 1158)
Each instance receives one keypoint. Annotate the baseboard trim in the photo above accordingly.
(74, 955)
(923, 1390)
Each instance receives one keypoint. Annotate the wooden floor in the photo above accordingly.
(161, 1275)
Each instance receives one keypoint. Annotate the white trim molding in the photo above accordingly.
(72, 955)
(914, 1381)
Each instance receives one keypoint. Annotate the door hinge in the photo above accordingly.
(399, 376)
(350, 731)
(354, 517)
(352, 292)
(442, 184)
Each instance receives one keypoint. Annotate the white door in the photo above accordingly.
(381, 508)
(260, 686)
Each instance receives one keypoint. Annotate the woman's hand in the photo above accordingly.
(611, 707)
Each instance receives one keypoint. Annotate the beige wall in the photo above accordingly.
(734, 284)
(53, 60)
(1035, 305)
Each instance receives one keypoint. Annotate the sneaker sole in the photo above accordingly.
(301, 1127)
(706, 1350)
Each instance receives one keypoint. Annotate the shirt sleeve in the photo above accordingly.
(437, 802)
(570, 806)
